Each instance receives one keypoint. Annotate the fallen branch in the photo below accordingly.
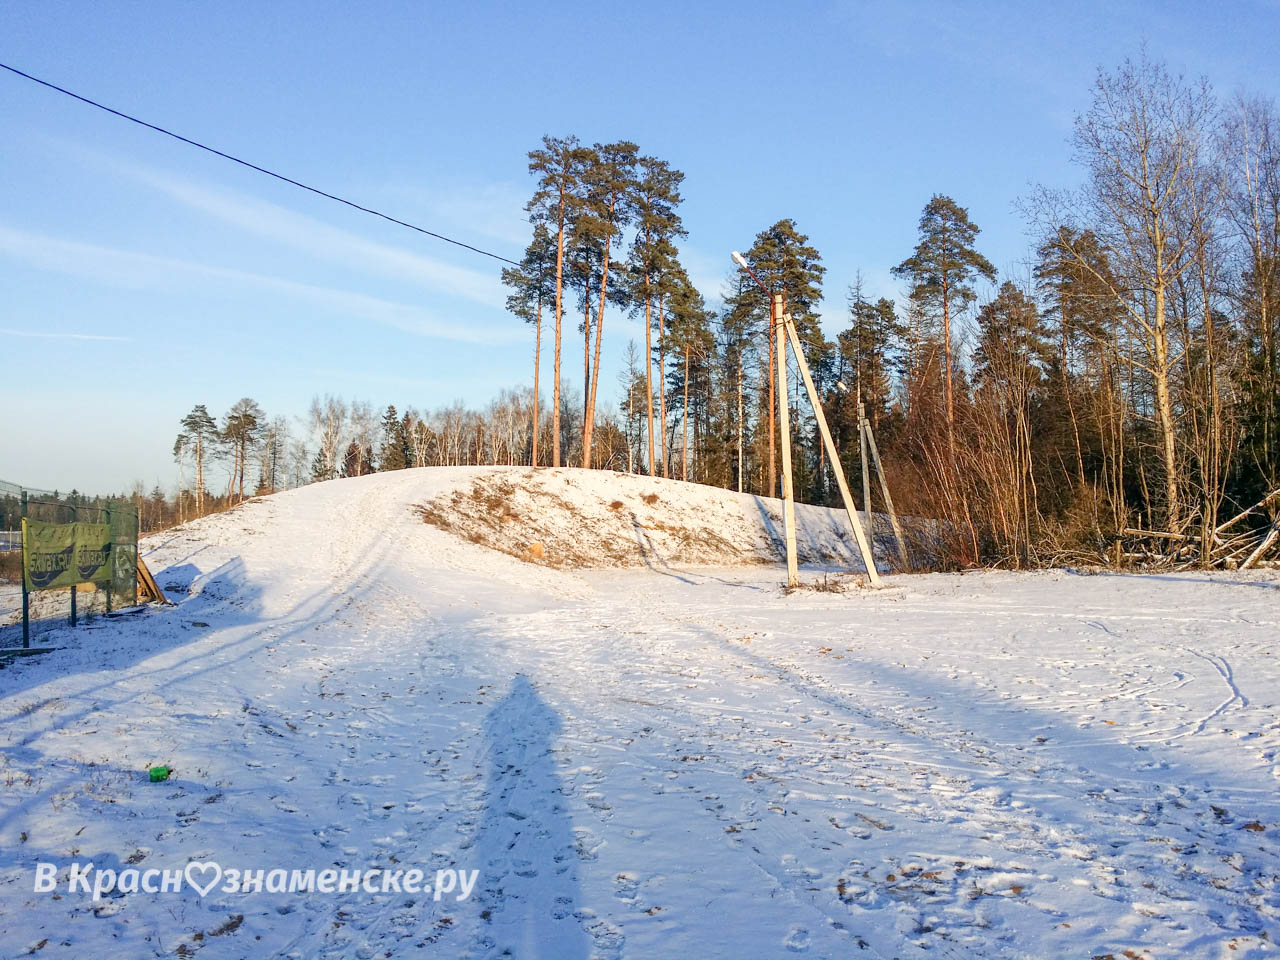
(1240, 516)
(1264, 546)
(1135, 532)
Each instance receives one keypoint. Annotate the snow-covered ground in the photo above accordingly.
(661, 761)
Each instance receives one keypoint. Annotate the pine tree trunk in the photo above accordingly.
(537, 366)
(555, 390)
(589, 426)
(1071, 409)
(648, 366)
(631, 394)
(740, 425)
(662, 390)
(586, 372)
(685, 442)
(946, 350)
(200, 473)
(773, 455)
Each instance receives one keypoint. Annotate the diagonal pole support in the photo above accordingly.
(903, 555)
(868, 559)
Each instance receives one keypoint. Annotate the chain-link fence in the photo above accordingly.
(49, 609)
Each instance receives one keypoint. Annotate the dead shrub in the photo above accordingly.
(11, 565)
(829, 583)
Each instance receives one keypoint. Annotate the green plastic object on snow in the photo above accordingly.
(160, 773)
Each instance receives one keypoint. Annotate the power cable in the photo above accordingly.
(254, 166)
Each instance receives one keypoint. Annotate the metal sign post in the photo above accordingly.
(111, 582)
(26, 595)
(75, 587)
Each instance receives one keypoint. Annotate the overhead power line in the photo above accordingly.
(254, 166)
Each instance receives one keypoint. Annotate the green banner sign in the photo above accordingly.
(63, 554)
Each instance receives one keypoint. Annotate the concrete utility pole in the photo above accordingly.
(777, 322)
(866, 474)
(868, 559)
(782, 327)
(870, 439)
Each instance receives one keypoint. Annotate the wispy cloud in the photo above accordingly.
(328, 243)
(144, 271)
(50, 335)
(494, 210)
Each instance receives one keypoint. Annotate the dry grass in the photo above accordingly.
(829, 583)
(530, 515)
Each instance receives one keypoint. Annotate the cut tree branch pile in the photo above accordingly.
(1238, 551)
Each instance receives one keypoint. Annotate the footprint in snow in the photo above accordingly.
(586, 843)
(797, 941)
(606, 938)
(597, 802)
(562, 908)
(628, 886)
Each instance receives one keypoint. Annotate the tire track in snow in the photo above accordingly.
(1223, 668)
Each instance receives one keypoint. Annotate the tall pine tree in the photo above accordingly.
(786, 263)
(557, 202)
(692, 344)
(532, 287)
(657, 195)
(941, 271)
(611, 187)
(393, 451)
(199, 430)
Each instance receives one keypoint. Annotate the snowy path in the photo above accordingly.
(647, 763)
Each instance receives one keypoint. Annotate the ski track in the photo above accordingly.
(646, 763)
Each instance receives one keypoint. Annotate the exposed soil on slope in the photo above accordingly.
(580, 519)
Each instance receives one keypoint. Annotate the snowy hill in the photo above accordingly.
(637, 755)
(594, 518)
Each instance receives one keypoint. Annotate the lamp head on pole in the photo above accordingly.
(739, 259)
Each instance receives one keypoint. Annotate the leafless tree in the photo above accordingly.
(1141, 144)
(328, 419)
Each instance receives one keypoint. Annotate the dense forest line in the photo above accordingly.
(1127, 379)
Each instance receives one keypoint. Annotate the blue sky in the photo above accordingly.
(140, 276)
